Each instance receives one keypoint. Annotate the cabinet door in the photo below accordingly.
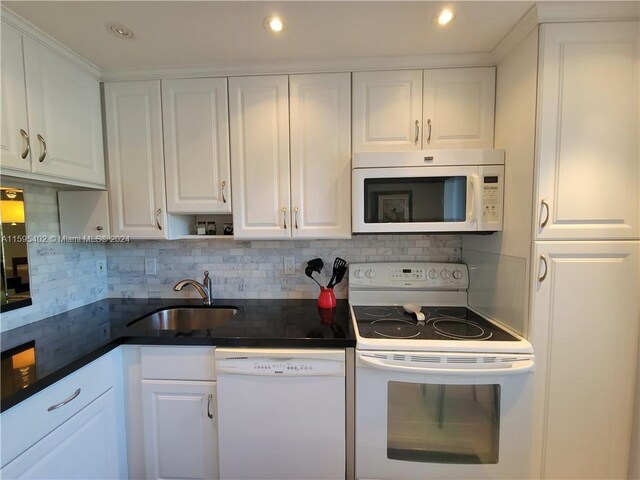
(387, 108)
(196, 140)
(587, 177)
(83, 447)
(136, 160)
(14, 143)
(180, 429)
(320, 155)
(64, 110)
(584, 332)
(259, 127)
(83, 213)
(459, 106)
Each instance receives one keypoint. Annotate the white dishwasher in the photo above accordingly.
(281, 413)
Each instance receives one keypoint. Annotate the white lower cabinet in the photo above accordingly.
(175, 396)
(83, 447)
(73, 429)
(585, 331)
(180, 429)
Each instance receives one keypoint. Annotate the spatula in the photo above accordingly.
(338, 264)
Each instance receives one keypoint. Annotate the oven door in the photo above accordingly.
(443, 416)
(415, 199)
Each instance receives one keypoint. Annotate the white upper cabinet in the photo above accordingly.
(387, 110)
(458, 110)
(430, 109)
(587, 145)
(320, 155)
(65, 120)
(196, 141)
(136, 161)
(51, 119)
(259, 131)
(14, 141)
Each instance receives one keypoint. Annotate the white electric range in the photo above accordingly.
(447, 396)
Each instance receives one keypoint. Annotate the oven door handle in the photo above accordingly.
(519, 366)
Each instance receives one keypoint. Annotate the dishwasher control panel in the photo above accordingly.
(290, 367)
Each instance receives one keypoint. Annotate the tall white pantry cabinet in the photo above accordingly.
(585, 261)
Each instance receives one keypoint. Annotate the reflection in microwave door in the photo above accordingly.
(394, 207)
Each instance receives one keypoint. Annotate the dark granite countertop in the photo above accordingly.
(65, 342)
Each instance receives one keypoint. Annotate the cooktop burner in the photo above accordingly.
(441, 323)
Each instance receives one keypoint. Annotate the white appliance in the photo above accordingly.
(449, 397)
(281, 413)
(428, 191)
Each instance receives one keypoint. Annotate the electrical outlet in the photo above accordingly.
(289, 266)
(149, 266)
(101, 267)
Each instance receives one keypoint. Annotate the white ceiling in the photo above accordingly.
(207, 33)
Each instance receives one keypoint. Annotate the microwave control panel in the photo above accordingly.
(491, 198)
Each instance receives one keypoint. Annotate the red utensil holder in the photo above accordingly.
(327, 298)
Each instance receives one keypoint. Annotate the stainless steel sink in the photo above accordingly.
(184, 318)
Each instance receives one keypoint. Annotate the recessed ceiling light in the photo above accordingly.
(120, 31)
(445, 16)
(274, 24)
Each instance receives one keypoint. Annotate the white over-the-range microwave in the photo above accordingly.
(428, 191)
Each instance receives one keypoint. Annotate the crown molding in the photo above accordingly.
(29, 30)
(313, 66)
(564, 12)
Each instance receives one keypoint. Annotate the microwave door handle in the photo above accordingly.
(471, 191)
(519, 366)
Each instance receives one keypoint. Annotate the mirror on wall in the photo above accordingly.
(15, 262)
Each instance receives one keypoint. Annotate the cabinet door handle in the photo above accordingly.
(546, 218)
(428, 130)
(546, 268)
(224, 183)
(158, 226)
(417, 132)
(295, 212)
(209, 401)
(64, 402)
(27, 145)
(284, 217)
(44, 148)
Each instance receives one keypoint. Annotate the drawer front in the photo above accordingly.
(29, 421)
(178, 363)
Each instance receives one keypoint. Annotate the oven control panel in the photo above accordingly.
(411, 275)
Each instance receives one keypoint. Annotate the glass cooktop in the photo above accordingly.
(441, 323)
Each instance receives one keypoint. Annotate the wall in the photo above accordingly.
(254, 269)
(499, 263)
(62, 276)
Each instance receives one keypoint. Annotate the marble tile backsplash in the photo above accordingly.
(254, 269)
(62, 276)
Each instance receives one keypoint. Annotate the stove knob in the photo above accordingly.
(371, 273)
(457, 274)
(358, 273)
(445, 274)
(433, 274)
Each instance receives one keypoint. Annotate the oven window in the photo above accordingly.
(443, 423)
(410, 200)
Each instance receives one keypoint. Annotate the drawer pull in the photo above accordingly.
(64, 402)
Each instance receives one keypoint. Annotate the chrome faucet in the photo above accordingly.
(204, 288)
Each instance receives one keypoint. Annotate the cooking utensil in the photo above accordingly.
(314, 265)
(339, 276)
(337, 265)
(414, 309)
